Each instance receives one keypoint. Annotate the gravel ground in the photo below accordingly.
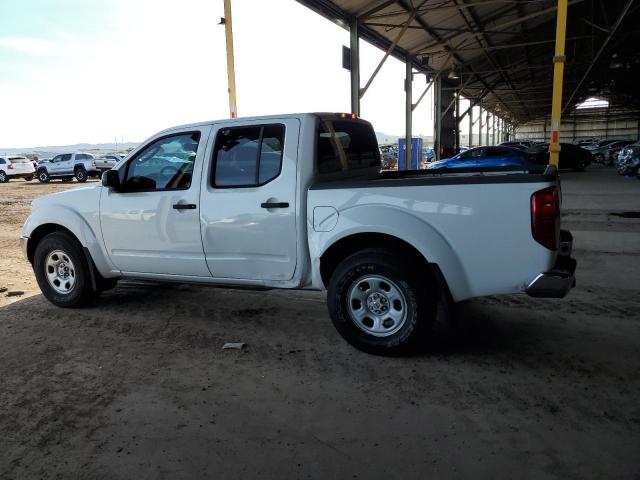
(139, 387)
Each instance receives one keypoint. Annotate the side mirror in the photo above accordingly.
(111, 179)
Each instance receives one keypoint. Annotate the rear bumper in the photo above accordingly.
(558, 281)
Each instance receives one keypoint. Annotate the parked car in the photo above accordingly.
(629, 160)
(587, 142)
(298, 201)
(488, 157)
(68, 165)
(107, 162)
(598, 150)
(607, 154)
(571, 156)
(16, 167)
(519, 144)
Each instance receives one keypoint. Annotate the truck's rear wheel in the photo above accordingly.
(62, 270)
(43, 176)
(81, 175)
(379, 305)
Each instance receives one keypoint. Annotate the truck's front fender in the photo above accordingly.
(389, 220)
(71, 220)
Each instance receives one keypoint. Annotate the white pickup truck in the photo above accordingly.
(68, 165)
(299, 202)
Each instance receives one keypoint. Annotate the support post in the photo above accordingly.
(558, 73)
(354, 45)
(457, 119)
(408, 111)
(470, 126)
(480, 127)
(437, 121)
(493, 130)
(487, 139)
(231, 73)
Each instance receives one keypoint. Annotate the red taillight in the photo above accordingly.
(545, 217)
(10, 166)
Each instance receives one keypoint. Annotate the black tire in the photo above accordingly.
(3, 177)
(82, 291)
(81, 175)
(598, 158)
(420, 300)
(28, 179)
(43, 176)
(580, 166)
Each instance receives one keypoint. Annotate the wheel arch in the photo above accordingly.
(384, 226)
(50, 220)
(350, 244)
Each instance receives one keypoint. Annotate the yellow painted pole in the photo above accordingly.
(231, 74)
(558, 73)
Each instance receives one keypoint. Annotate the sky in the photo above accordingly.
(75, 71)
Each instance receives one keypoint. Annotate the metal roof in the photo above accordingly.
(503, 50)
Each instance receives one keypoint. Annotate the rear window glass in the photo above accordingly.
(345, 145)
(248, 156)
(18, 160)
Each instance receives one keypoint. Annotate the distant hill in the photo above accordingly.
(54, 150)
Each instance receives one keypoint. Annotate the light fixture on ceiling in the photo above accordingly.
(453, 75)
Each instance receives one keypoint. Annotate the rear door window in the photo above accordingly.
(346, 145)
(248, 156)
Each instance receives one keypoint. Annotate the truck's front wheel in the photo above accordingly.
(378, 303)
(62, 270)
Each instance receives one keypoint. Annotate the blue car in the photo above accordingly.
(497, 156)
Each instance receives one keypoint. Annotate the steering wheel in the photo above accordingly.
(169, 170)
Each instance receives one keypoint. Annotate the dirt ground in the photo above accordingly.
(139, 387)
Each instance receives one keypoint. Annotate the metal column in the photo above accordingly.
(487, 139)
(470, 126)
(231, 74)
(437, 121)
(408, 111)
(480, 127)
(457, 118)
(355, 66)
(558, 73)
(493, 130)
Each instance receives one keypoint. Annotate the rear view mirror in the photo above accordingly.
(111, 179)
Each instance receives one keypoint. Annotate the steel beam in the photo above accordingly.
(354, 42)
(412, 15)
(408, 81)
(470, 125)
(480, 126)
(612, 30)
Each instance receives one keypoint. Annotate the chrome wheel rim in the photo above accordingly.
(376, 305)
(43, 176)
(60, 272)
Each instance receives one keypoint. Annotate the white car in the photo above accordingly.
(16, 167)
(68, 165)
(299, 202)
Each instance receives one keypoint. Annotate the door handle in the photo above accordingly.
(275, 205)
(185, 206)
